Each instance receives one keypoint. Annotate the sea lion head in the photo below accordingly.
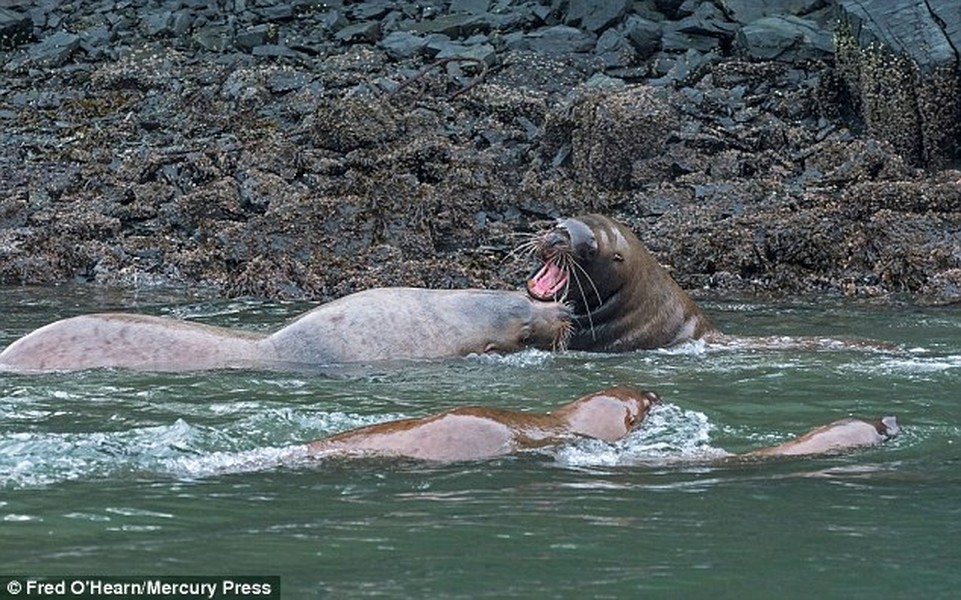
(587, 261)
(608, 414)
(508, 322)
(887, 427)
(621, 297)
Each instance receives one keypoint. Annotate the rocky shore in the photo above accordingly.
(309, 149)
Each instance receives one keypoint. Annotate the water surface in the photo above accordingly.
(110, 472)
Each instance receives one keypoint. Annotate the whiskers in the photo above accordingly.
(563, 336)
(527, 248)
(575, 272)
(578, 279)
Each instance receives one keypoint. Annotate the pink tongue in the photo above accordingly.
(548, 282)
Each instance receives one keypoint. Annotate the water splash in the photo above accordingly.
(530, 358)
(180, 450)
(35, 459)
(670, 434)
(688, 348)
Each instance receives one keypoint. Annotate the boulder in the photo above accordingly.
(785, 38)
(748, 11)
(595, 15)
(15, 28)
(899, 64)
(929, 33)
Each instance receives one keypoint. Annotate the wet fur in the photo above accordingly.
(374, 325)
(622, 298)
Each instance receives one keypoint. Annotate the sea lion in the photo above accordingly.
(622, 298)
(833, 438)
(476, 432)
(374, 325)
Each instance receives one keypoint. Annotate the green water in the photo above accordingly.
(117, 473)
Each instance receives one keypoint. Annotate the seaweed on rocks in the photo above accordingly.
(310, 149)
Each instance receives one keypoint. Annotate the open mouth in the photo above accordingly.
(548, 283)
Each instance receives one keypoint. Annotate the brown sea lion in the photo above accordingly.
(623, 299)
(374, 325)
(833, 438)
(475, 432)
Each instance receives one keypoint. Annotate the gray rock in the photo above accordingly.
(455, 25)
(675, 40)
(276, 51)
(371, 10)
(15, 28)
(95, 37)
(365, 31)
(402, 44)
(615, 50)
(927, 32)
(644, 35)
(481, 52)
(281, 82)
(670, 8)
(707, 19)
(558, 40)
(214, 37)
(278, 12)
(747, 11)
(681, 69)
(595, 15)
(601, 81)
(54, 51)
(334, 20)
(155, 23)
(471, 7)
(250, 38)
(180, 23)
(784, 38)
(901, 69)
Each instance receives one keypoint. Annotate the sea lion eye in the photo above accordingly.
(618, 257)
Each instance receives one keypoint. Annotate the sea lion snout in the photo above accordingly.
(888, 426)
(570, 243)
(580, 237)
(555, 240)
(545, 325)
(652, 397)
(646, 400)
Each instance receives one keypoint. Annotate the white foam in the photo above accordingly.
(669, 434)
(225, 463)
(689, 348)
(180, 450)
(529, 358)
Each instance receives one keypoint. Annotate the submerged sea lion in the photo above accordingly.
(475, 432)
(839, 436)
(374, 325)
(622, 298)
